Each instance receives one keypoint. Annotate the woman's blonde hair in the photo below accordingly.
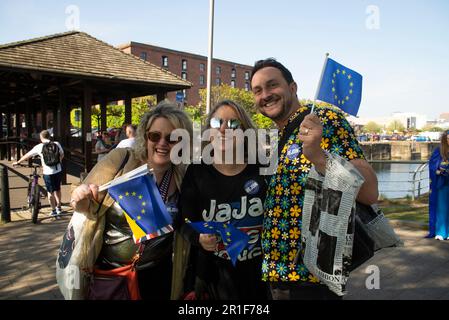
(177, 118)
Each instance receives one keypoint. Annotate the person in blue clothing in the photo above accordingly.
(439, 190)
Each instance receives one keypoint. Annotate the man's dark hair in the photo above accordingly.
(271, 62)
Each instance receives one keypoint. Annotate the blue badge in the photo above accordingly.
(251, 187)
(293, 151)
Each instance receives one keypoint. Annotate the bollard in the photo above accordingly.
(4, 185)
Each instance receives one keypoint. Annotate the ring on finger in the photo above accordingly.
(306, 131)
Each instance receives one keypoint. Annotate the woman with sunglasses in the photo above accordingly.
(116, 247)
(439, 190)
(228, 191)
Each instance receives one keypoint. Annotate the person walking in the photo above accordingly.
(51, 155)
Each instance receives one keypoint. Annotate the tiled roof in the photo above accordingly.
(79, 54)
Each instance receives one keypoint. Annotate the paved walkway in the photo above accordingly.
(419, 270)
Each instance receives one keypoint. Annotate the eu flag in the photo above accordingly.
(143, 207)
(234, 239)
(341, 87)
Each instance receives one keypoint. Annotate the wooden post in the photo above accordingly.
(43, 111)
(87, 126)
(9, 134)
(128, 109)
(161, 96)
(62, 131)
(2, 146)
(103, 114)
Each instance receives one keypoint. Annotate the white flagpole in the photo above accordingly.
(209, 58)
(319, 83)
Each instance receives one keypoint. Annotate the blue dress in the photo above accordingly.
(439, 196)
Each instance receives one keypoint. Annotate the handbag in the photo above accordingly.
(116, 284)
(72, 279)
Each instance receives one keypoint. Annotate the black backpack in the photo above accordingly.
(50, 153)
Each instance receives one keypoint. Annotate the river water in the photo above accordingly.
(395, 179)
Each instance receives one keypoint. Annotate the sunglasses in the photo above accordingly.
(156, 136)
(216, 123)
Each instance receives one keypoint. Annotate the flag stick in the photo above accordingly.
(209, 59)
(319, 83)
(140, 171)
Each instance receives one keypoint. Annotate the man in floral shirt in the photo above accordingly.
(303, 137)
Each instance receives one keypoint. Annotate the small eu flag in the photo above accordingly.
(234, 239)
(341, 87)
(143, 207)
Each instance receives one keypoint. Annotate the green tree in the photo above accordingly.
(115, 114)
(372, 127)
(395, 125)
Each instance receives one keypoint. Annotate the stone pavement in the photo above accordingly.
(419, 270)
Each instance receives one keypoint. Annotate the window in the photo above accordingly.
(218, 70)
(184, 64)
(246, 75)
(164, 61)
(143, 56)
(202, 67)
(246, 86)
(217, 81)
(201, 80)
(233, 83)
(233, 73)
(184, 75)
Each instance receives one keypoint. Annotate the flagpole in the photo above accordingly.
(209, 59)
(319, 83)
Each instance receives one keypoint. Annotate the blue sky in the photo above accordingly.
(404, 58)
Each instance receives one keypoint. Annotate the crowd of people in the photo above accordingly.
(267, 208)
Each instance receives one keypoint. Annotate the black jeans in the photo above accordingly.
(301, 291)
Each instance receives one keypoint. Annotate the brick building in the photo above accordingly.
(193, 68)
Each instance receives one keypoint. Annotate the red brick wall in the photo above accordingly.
(155, 54)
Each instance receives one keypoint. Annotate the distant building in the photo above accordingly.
(444, 117)
(193, 68)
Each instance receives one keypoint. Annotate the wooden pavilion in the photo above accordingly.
(42, 79)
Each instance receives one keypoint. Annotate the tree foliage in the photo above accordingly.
(372, 127)
(395, 125)
(115, 114)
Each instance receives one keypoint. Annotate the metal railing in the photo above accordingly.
(412, 181)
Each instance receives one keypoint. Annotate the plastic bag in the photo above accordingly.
(329, 222)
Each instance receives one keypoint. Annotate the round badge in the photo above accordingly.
(251, 187)
(293, 151)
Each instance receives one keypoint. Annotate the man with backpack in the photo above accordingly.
(51, 154)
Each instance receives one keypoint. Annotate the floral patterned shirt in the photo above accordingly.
(281, 236)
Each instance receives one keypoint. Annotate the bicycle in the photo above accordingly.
(33, 192)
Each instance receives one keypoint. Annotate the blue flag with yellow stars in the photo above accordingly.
(234, 239)
(341, 87)
(143, 207)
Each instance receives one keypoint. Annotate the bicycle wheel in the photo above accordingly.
(35, 204)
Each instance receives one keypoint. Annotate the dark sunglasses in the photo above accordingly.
(216, 123)
(156, 136)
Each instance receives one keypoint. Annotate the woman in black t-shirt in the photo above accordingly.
(228, 190)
